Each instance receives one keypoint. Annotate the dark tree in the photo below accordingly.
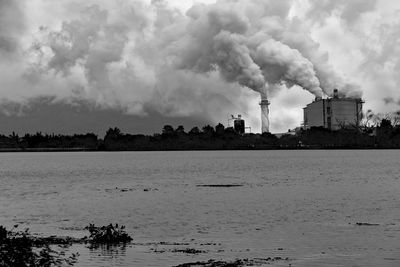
(386, 124)
(113, 132)
(167, 130)
(220, 129)
(208, 129)
(180, 129)
(194, 131)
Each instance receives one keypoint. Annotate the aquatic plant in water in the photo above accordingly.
(108, 234)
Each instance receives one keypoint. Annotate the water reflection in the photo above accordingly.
(110, 254)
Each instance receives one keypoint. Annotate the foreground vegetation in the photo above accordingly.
(21, 249)
(385, 135)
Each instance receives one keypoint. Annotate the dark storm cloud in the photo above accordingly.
(48, 116)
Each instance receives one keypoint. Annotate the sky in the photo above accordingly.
(82, 66)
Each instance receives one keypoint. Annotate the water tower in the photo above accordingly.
(239, 125)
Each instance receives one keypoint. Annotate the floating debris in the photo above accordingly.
(124, 190)
(367, 224)
(219, 185)
(161, 243)
(116, 189)
(236, 263)
(185, 250)
(188, 251)
(210, 244)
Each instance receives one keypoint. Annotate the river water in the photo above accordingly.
(304, 205)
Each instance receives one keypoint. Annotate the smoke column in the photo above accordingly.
(260, 53)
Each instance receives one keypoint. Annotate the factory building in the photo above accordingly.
(333, 113)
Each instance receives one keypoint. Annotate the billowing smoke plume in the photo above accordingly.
(246, 46)
(248, 43)
(137, 56)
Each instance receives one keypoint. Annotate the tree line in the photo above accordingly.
(386, 134)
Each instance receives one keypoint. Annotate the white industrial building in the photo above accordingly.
(333, 113)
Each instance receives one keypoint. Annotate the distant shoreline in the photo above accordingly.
(4, 150)
(218, 138)
(32, 150)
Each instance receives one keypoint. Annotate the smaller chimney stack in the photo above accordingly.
(335, 93)
(264, 115)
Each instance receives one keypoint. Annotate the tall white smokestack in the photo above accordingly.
(264, 115)
(264, 112)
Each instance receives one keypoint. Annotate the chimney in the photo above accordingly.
(264, 115)
(335, 93)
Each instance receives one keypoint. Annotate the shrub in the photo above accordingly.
(109, 234)
(18, 248)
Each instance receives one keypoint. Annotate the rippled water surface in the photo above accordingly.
(303, 205)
